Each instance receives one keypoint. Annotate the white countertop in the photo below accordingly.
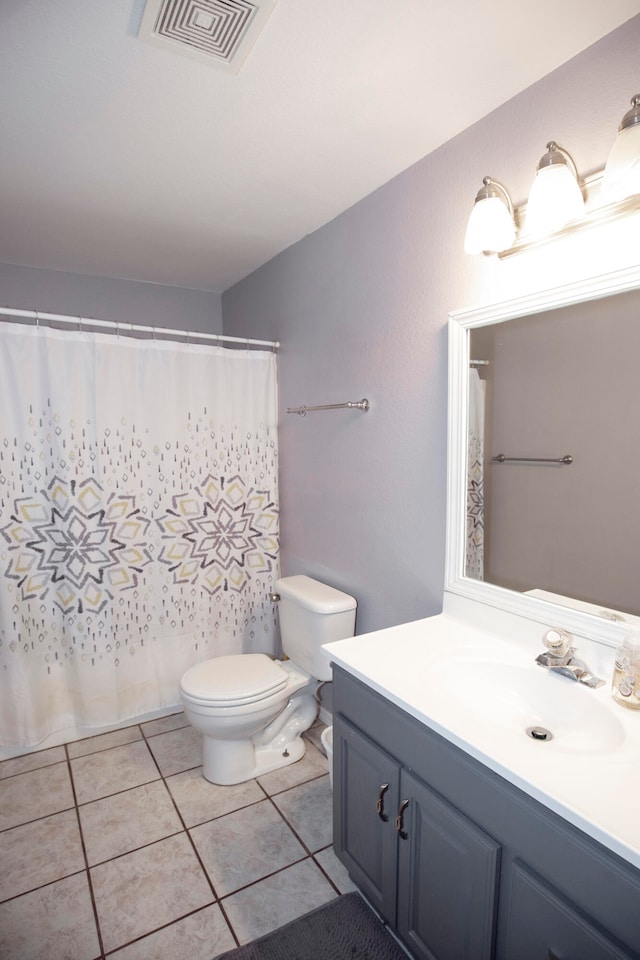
(479, 687)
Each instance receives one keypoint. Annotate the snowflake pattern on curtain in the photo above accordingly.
(219, 534)
(76, 546)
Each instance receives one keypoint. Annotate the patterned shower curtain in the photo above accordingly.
(474, 559)
(138, 522)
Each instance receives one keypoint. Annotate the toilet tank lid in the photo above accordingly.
(313, 595)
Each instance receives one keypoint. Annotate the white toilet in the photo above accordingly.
(252, 710)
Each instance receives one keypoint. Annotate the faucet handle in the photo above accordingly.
(559, 642)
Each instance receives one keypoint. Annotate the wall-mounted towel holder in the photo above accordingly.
(500, 458)
(356, 404)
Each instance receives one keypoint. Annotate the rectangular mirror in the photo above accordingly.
(544, 462)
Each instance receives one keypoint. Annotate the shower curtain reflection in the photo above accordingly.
(138, 522)
(474, 556)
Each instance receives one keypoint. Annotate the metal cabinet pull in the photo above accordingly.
(380, 803)
(399, 824)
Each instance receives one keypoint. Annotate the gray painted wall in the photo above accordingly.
(105, 298)
(361, 307)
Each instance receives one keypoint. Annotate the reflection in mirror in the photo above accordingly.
(559, 384)
(543, 515)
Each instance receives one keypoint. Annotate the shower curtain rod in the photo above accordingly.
(79, 322)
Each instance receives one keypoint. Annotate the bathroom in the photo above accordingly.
(360, 307)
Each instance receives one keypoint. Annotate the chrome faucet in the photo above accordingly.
(560, 658)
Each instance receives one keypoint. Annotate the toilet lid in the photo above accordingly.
(245, 677)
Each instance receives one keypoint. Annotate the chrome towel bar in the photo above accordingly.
(500, 458)
(303, 411)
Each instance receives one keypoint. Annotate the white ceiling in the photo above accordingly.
(121, 159)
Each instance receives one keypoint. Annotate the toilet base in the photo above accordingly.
(228, 766)
(226, 762)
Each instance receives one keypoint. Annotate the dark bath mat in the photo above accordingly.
(344, 929)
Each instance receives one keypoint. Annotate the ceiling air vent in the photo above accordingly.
(220, 32)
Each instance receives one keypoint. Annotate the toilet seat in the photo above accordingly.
(234, 680)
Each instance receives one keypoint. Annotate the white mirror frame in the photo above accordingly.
(460, 323)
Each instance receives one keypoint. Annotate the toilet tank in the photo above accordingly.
(311, 614)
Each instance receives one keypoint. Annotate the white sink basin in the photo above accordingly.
(479, 687)
(517, 697)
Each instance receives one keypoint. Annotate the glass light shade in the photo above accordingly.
(622, 172)
(491, 228)
(554, 200)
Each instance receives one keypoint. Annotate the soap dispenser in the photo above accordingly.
(625, 685)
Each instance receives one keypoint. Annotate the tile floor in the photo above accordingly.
(116, 847)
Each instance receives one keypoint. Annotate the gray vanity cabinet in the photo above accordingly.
(429, 871)
(461, 864)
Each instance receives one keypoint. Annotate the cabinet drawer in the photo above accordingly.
(542, 925)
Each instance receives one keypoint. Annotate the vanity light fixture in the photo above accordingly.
(491, 227)
(622, 172)
(560, 201)
(555, 198)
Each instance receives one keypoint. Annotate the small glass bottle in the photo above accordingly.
(625, 685)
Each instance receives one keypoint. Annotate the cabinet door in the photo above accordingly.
(365, 801)
(447, 879)
(542, 925)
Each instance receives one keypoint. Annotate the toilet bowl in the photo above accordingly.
(252, 709)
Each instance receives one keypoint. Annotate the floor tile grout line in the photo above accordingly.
(22, 773)
(118, 746)
(91, 753)
(293, 831)
(163, 926)
(187, 832)
(118, 793)
(28, 823)
(292, 828)
(227, 813)
(42, 886)
(311, 779)
(322, 869)
(311, 853)
(94, 905)
(267, 876)
(143, 846)
(160, 733)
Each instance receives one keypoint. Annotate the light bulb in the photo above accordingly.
(491, 228)
(622, 172)
(555, 197)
